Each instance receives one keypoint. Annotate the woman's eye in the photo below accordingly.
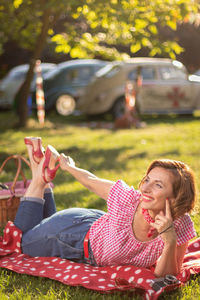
(158, 185)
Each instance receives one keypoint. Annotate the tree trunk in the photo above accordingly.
(22, 109)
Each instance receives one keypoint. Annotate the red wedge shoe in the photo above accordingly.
(50, 154)
(37, 153)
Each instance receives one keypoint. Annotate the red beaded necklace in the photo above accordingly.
(149, 220)
(147, 216)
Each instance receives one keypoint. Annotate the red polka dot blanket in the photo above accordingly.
(102, 279)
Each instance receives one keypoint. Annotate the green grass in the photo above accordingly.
(110, 154)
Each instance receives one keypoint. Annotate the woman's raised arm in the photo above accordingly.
(99, 186)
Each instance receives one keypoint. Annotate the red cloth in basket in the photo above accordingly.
(19, 189)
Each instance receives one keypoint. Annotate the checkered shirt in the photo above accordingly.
(112, 239)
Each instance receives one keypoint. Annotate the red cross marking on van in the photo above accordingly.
(175, 96)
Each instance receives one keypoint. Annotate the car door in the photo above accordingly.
(77, 77)
(165, 88)
(174, 90)
(147, 94)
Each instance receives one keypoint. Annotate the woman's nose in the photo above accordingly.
(146, 187)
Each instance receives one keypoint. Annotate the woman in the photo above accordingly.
(145, 227)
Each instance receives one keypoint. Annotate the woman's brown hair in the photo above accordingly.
(184, 187)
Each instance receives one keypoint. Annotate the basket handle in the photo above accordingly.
(21, 171)
(18, 159)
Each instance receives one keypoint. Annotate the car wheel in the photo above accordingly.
(118, 108)
(65, 105)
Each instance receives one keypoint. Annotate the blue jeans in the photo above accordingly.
(50, 233)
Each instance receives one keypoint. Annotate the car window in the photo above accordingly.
(113, 72)
(52, 73)
(148, 73)
(104, 70)
(168, 73)
(98, 67)
(20, 74)
(77, 75)
(181, 73)
(17, 75)
(47, 68)
(132, 75)
(108, 71)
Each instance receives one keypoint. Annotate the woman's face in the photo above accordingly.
(155, 188)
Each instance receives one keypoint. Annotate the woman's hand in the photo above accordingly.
(164, 225)
(65, 162)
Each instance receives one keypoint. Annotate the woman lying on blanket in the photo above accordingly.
(142, 227)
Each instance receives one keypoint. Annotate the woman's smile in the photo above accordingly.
(146, 198)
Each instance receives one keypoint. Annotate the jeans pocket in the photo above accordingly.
(70, 246)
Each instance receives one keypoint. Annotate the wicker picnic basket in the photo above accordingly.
(11, 192)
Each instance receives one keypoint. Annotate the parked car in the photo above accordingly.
(166, 87)
(11, 83)
(65, 84)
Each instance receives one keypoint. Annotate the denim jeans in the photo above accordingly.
(50, 233)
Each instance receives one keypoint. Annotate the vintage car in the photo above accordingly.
(66, 83)
(165, 88)
(11, 83)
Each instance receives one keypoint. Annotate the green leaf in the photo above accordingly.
(177, 48)
(140, 24)
(146, 42)
(172, 24)
(155, 51)
(172, 55)
(78, 52)
(50, 31)
(63, 48)
(17, 3)
(135, 48)
(153, 29)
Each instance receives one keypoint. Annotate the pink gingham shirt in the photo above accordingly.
(111, 236)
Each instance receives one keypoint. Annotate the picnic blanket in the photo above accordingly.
(101, 279)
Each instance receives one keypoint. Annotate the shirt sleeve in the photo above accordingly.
(121, 201)
(184, 228)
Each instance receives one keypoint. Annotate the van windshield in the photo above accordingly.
(109, 70)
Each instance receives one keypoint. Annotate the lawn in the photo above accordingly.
(110, 154)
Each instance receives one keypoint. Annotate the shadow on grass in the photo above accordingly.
(170, 153)
(72, 199)
(96, 160)
(138, 155)
(69, 199)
